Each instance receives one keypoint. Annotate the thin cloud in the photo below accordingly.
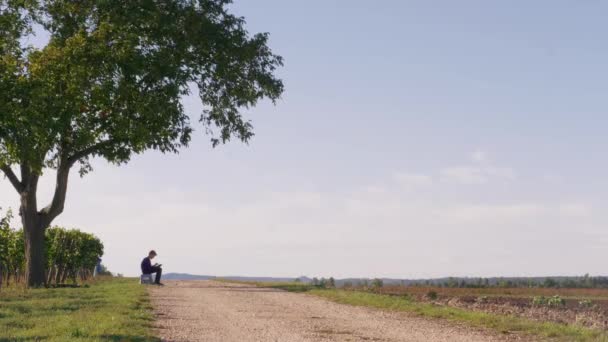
(410, 180)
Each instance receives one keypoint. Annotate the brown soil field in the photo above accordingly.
(517, 301)
(496, 291)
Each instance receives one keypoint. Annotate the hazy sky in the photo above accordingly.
(415, 139)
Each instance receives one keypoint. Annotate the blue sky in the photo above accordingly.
(415, 139)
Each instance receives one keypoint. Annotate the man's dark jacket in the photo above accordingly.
(146, 266)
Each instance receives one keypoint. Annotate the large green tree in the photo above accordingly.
(109, 84)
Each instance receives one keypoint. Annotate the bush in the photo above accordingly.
(556, 301)
(585, 303)
(538, 301)
(432, 295)
(70, 254)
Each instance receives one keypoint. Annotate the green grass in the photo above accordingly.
(500, 323)
(108, 310)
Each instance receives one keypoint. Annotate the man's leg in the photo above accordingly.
(159, 272)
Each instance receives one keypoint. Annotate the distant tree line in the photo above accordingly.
(69, 254)
(322, 283)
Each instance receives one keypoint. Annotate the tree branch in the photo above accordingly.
(12, 177)
(87, 151)
(54, 209)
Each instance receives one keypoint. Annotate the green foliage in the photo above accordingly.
(110, 80)
(69, 254)
(12, 258)
(549, 282)
(585, 303)
(539, 300)
(556, 301)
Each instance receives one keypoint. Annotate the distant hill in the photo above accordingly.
(186, 276)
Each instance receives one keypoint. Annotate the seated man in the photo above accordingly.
(148, 268)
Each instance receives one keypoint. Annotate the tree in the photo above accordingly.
(377, 282)
(109, 84)
(331, 283)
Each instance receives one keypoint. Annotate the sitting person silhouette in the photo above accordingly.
(148, 268)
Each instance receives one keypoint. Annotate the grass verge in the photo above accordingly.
(115, 309)
(500, 323)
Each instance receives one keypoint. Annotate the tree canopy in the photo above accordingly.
(110, 80)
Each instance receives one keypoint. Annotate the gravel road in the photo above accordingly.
(213, 311)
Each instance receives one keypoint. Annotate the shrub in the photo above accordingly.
(539, 300)
(432, 295)
(556, 301)
(70, 254)
(585, 303)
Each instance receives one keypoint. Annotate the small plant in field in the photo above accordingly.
(585, 303)
(539, 301)
(556, 301)
(432, 295)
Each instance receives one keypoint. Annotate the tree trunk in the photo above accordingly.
(33, 231)
(35, 222)
(34, 252)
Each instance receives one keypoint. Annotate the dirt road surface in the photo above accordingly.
(212, 311)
